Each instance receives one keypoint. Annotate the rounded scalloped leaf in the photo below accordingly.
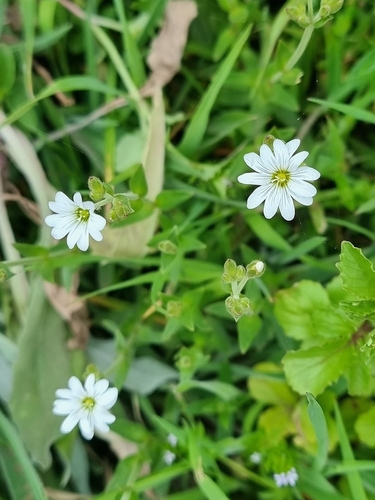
(365, 427)
(267, 388)
(356, 271)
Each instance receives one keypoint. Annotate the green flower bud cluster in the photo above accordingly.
(174, 308)
(121, 208)
(102, 193)
(189, 360)
(297, 12)
(237, 276)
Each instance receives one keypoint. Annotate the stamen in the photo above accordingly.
(88, 403)
(281, 178)
(83, 214)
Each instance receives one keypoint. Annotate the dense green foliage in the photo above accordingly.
(170, 307)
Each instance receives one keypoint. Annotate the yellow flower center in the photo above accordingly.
(88, 403)
(83, 214)
(281, 178)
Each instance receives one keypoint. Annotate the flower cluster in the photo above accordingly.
(86, 405)
(288, 478)
(169, 457)
(280, 178)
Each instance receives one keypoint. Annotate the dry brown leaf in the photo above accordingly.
(72, 310)
(167, 48)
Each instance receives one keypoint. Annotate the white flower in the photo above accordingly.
(289, 478)
(169, 457)
(86, 405)
(255, 457)
(76, 219)
(172, 440)
(280, 178)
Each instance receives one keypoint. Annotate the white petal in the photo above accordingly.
(86, 426)
(258, 196)
(90, 385)
(101, 426)
(303, 200)
(253, 161)
(292, 146)
(77, 198)
(65, 406)
(79, 234)
(88, 205)
(268, 159)
(109, 398)
(94, 231)
(64, 227)
(98, 220)
(301, 188)
(83, 241)
(75, 385)
(307, 173)
(51, 220)
(100, 387)
(69, 423)
(64, 393)
(253, 178)
(271, 203)
(297, 159)
(286, 206)
(104, 416)
(281, 154)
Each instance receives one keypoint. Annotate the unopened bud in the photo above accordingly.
(5, 274)
(255, 269)
(237, 307)
(174, 308)
(121, 208)
(330, 7)
(232, 272)
(167, 246)
(97, 189)
(297, 13)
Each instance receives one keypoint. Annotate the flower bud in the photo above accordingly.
(297, 13)
(121, 208)
(238, 307)
(5, 274)
(97, 189)
(330, 7)
(174, 308)
(255, 269)
(167, 246)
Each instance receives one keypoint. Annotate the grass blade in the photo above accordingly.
(319, 423)
(197, 127)
(354, 478)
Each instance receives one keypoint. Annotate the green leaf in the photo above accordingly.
(356, 271)
(332, 323)
(319, 423)
(16, 467)
(221, 389)
(42, 366)
(267, 388)
(358, 374)
(312, 370)
(172, 198)
(138, 182)
(8, 70)
(365, 427)
(265, 232)
(359, 308)
(248, 328)
(347, 109)
(302, 249)
(196, 129)
(295, 306)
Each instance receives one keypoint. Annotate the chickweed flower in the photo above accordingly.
(255, 457)
(86, 405)
(288, 478)
(280, 178)
(172, 440)
(75, 219)
(169, 457)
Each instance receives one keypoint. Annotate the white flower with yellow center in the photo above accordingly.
(86, 405)
(280, 178)
(76, 219)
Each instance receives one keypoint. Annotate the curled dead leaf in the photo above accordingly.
(167, 48)
(72, 310)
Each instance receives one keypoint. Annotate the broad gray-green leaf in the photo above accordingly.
(295, 306)
(357, 272)
(312, 370)
(42, 366)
